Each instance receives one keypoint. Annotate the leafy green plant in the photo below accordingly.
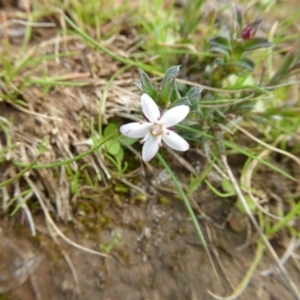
(113, 146)
(115, 241)
(169, 94)
(233, 46)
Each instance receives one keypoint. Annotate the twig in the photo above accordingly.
(27, 23)
(69, 262)
(293, 288)
(293, 157)
(248, 237)
(24, 206)
(217, 256)
(247, 183)
(19, 107)
(289, 251)
(182, 161)
(55, 228)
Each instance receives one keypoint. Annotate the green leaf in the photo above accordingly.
(181, 101)
(237, 16)
(147, 86)
(139, 86)
(289, 61)
(109, 129)
(220, 50)
(250, 203)
(194, 95)
(288, 112)
(113, 147)
(245, 63)
(227, 186)
(168, 84)
(220, 61)
(255, 24)
(120, 155)
(175, 94)
(220, 42)
(257, 43)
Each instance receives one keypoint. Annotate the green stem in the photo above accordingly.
(189, 209)
(240, 149)
(68, 161)
(245, 281)
(27, 168)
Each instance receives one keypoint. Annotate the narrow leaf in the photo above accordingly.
(257, 43)
(237, 16)
(168, 84)
(147, 86)
(194, 95)
(220, 50)
(181, 101)
(245, 63)
(175, 94)
(220, 42)
(289, 61)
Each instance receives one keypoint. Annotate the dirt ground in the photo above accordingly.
(158, 256)
(154, 252)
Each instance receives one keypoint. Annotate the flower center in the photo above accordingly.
(156, 129)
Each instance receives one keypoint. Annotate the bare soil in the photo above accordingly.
(157, 257)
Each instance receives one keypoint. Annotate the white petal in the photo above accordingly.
(175, 115)
(135, 130)
(151, 147)
(175, 141)
(150, 109)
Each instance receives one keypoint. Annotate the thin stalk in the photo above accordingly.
(67, 161)
(189, 209)
(245, 281)
(293, 288)
(27, 168)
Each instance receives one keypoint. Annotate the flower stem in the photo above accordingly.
(189, 209)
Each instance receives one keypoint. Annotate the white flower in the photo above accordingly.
(156, 127)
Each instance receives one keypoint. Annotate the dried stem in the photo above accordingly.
(293, 288)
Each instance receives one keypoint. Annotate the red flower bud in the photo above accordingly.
(250, 30)
(248, 33)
